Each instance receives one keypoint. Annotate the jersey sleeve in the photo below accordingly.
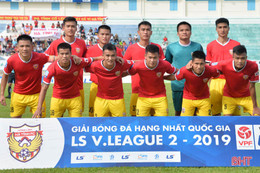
(90, 68)
(180, 74)
(49, 74)
(128, 55)
(170, 68)
(86, 62)
(255, 76)
(214, 71)
(132, 70)
(8, 67)
(217, 65)
(127, 64)
(44, 58)
(168, 55)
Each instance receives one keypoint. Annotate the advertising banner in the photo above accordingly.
(129, 141)
(10, 17)
(45, 33)
(61, 18)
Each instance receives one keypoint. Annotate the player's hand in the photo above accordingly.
(120, 60)
(37, 114)
(256, 111)
(2, 99)
(189, 65)
(76, 59)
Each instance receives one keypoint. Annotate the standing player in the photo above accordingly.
(110, 95)
(78, 47)
(239, 90)
(217, 50)
(196, 90)
(179, 54)
(104, 35)
(11, 79)
(137, 52)
(152, 93)
(66, 94)
(28, 74)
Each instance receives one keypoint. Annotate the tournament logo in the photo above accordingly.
(159, 74)
(244, 132)
(24, 142)
(245, 77)
(117, 73)
(77, 49)
(205, 80)
(75, 73)
(35, 66)
(128, 61)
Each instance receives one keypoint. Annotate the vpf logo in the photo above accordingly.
(24, 142)
(244, 132)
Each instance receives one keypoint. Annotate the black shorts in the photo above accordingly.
(11, 78)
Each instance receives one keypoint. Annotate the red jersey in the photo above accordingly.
(237, 82)
(28, 74)
(137, 52)
(36, 23)
(65, 86)
(13, 23)
(78, 47)
(152, 82)
(109, 80)
(96, 51)
(196, 86)
(217, 51)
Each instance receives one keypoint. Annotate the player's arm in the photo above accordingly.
(3, 86)
(169, 77)
(38, 112)
(256, 109)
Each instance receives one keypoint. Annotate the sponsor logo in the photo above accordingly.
(80, 157)
(129, 62)
(159, 74)
(142, 157)
(126, 156)
(245, 77)
(97, 157)
(117, 73)
(75, 73)
(241, 161)
(77, 49)
(24, 142)
(205, 80)
(244, 132)
(35, 66)
(244, 137)
(86, 59)
(170, 156)
(156, 156)
(111, 157)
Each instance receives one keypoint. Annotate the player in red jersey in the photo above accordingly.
(137, 52)
(152, 93)
(78, 47)
(28, 74)
(104, 35)
(66, 94)
(239, 90)
(218, 50)
(110, 95)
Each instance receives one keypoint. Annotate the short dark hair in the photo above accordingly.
(24, 37)
(152, 49)
(64, 46)
(69, 19)
(183, 23)
(104, 27)
(109, 46)
(222, 20)
(145, 23)
(198, 54)
(239, 49)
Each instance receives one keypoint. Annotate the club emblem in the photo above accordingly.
(245, 77)
(76, 73)
(35, 66)
(159, 74)
(117, 73)
(205, 80)
(77, 49)
(24, 142)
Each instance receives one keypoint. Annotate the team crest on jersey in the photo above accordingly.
(117, 73)
(245, 77)
(77, 49)
(35, 66)
(76, 73)
(159, 74)
(205, 80)
(24, 142)
(257, 74)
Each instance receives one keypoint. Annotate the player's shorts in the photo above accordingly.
(11, 78)
(59, 106)
(203, 107)
(216, 96)
(230, 104)
(103, 107)
(19, 102)
(82, 99)
(159, 105)
(92, 97)
(133, 101)
(177, 100)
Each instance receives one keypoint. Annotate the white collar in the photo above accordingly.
(107, 68)
(233, 64)
(185, 45)
(149, 67)
(200, 74)
(224, 43)
(28, 60)
(68, 42)
(63, 68)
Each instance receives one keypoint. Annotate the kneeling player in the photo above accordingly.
(66, 94)
(152, 93)
(196, 91)
(239, 90)
(110, 95)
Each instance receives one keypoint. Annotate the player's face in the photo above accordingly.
(184, 32)
(144, 32)
(25, 48)
(239, 60)
(64, 56)
(151, 59)
(109, 57)
(104, 36)
(70, 28)
(222, 29)
(198, 65)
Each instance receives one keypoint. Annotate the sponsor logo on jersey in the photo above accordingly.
(35, 66)
(24, 142)
(76, 73)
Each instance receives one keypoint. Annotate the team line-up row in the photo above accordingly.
(233, 75)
